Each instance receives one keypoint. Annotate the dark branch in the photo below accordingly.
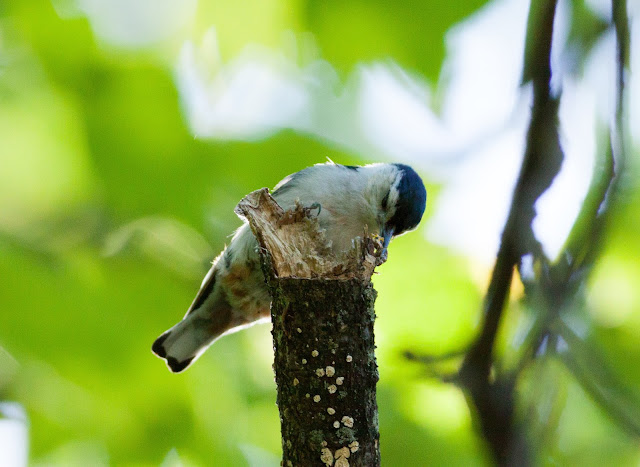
(542, 161)
(494, 400)
(557, 285)
(621, 23)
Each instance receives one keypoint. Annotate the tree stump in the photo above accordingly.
(323, 314)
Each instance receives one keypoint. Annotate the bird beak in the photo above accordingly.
(386, 234)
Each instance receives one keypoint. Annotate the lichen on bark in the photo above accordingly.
(323, 314)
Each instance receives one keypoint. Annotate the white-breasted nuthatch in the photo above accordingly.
(388, 199)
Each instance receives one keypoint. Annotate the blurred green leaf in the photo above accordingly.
(110, 211)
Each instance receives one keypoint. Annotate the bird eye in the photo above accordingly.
(385, 200)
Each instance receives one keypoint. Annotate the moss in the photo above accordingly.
(316, 437)
(345, 435)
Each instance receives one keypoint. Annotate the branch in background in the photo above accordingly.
(542, 161)
(555, 285)
(596, 378)
(618, 133)
(494, 400)
(621, 23)
(585, 364)
(586, 238)
(585, 241)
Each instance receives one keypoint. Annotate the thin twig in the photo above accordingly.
(621, 23)
(599, 381)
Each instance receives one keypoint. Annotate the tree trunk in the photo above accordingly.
(326, 371)
(323, 313)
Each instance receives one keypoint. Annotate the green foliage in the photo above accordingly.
(103, 190)
(410, 31)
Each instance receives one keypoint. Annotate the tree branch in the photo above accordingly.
(555, 285)
(597, 379)
(494, 400)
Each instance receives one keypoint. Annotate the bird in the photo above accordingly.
(385, 198)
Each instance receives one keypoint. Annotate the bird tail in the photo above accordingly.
(186, 341)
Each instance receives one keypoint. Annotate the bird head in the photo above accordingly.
(402, 204)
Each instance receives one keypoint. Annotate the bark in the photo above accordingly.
(326, 371)
(323, 314)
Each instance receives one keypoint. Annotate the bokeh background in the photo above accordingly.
(129, 130)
